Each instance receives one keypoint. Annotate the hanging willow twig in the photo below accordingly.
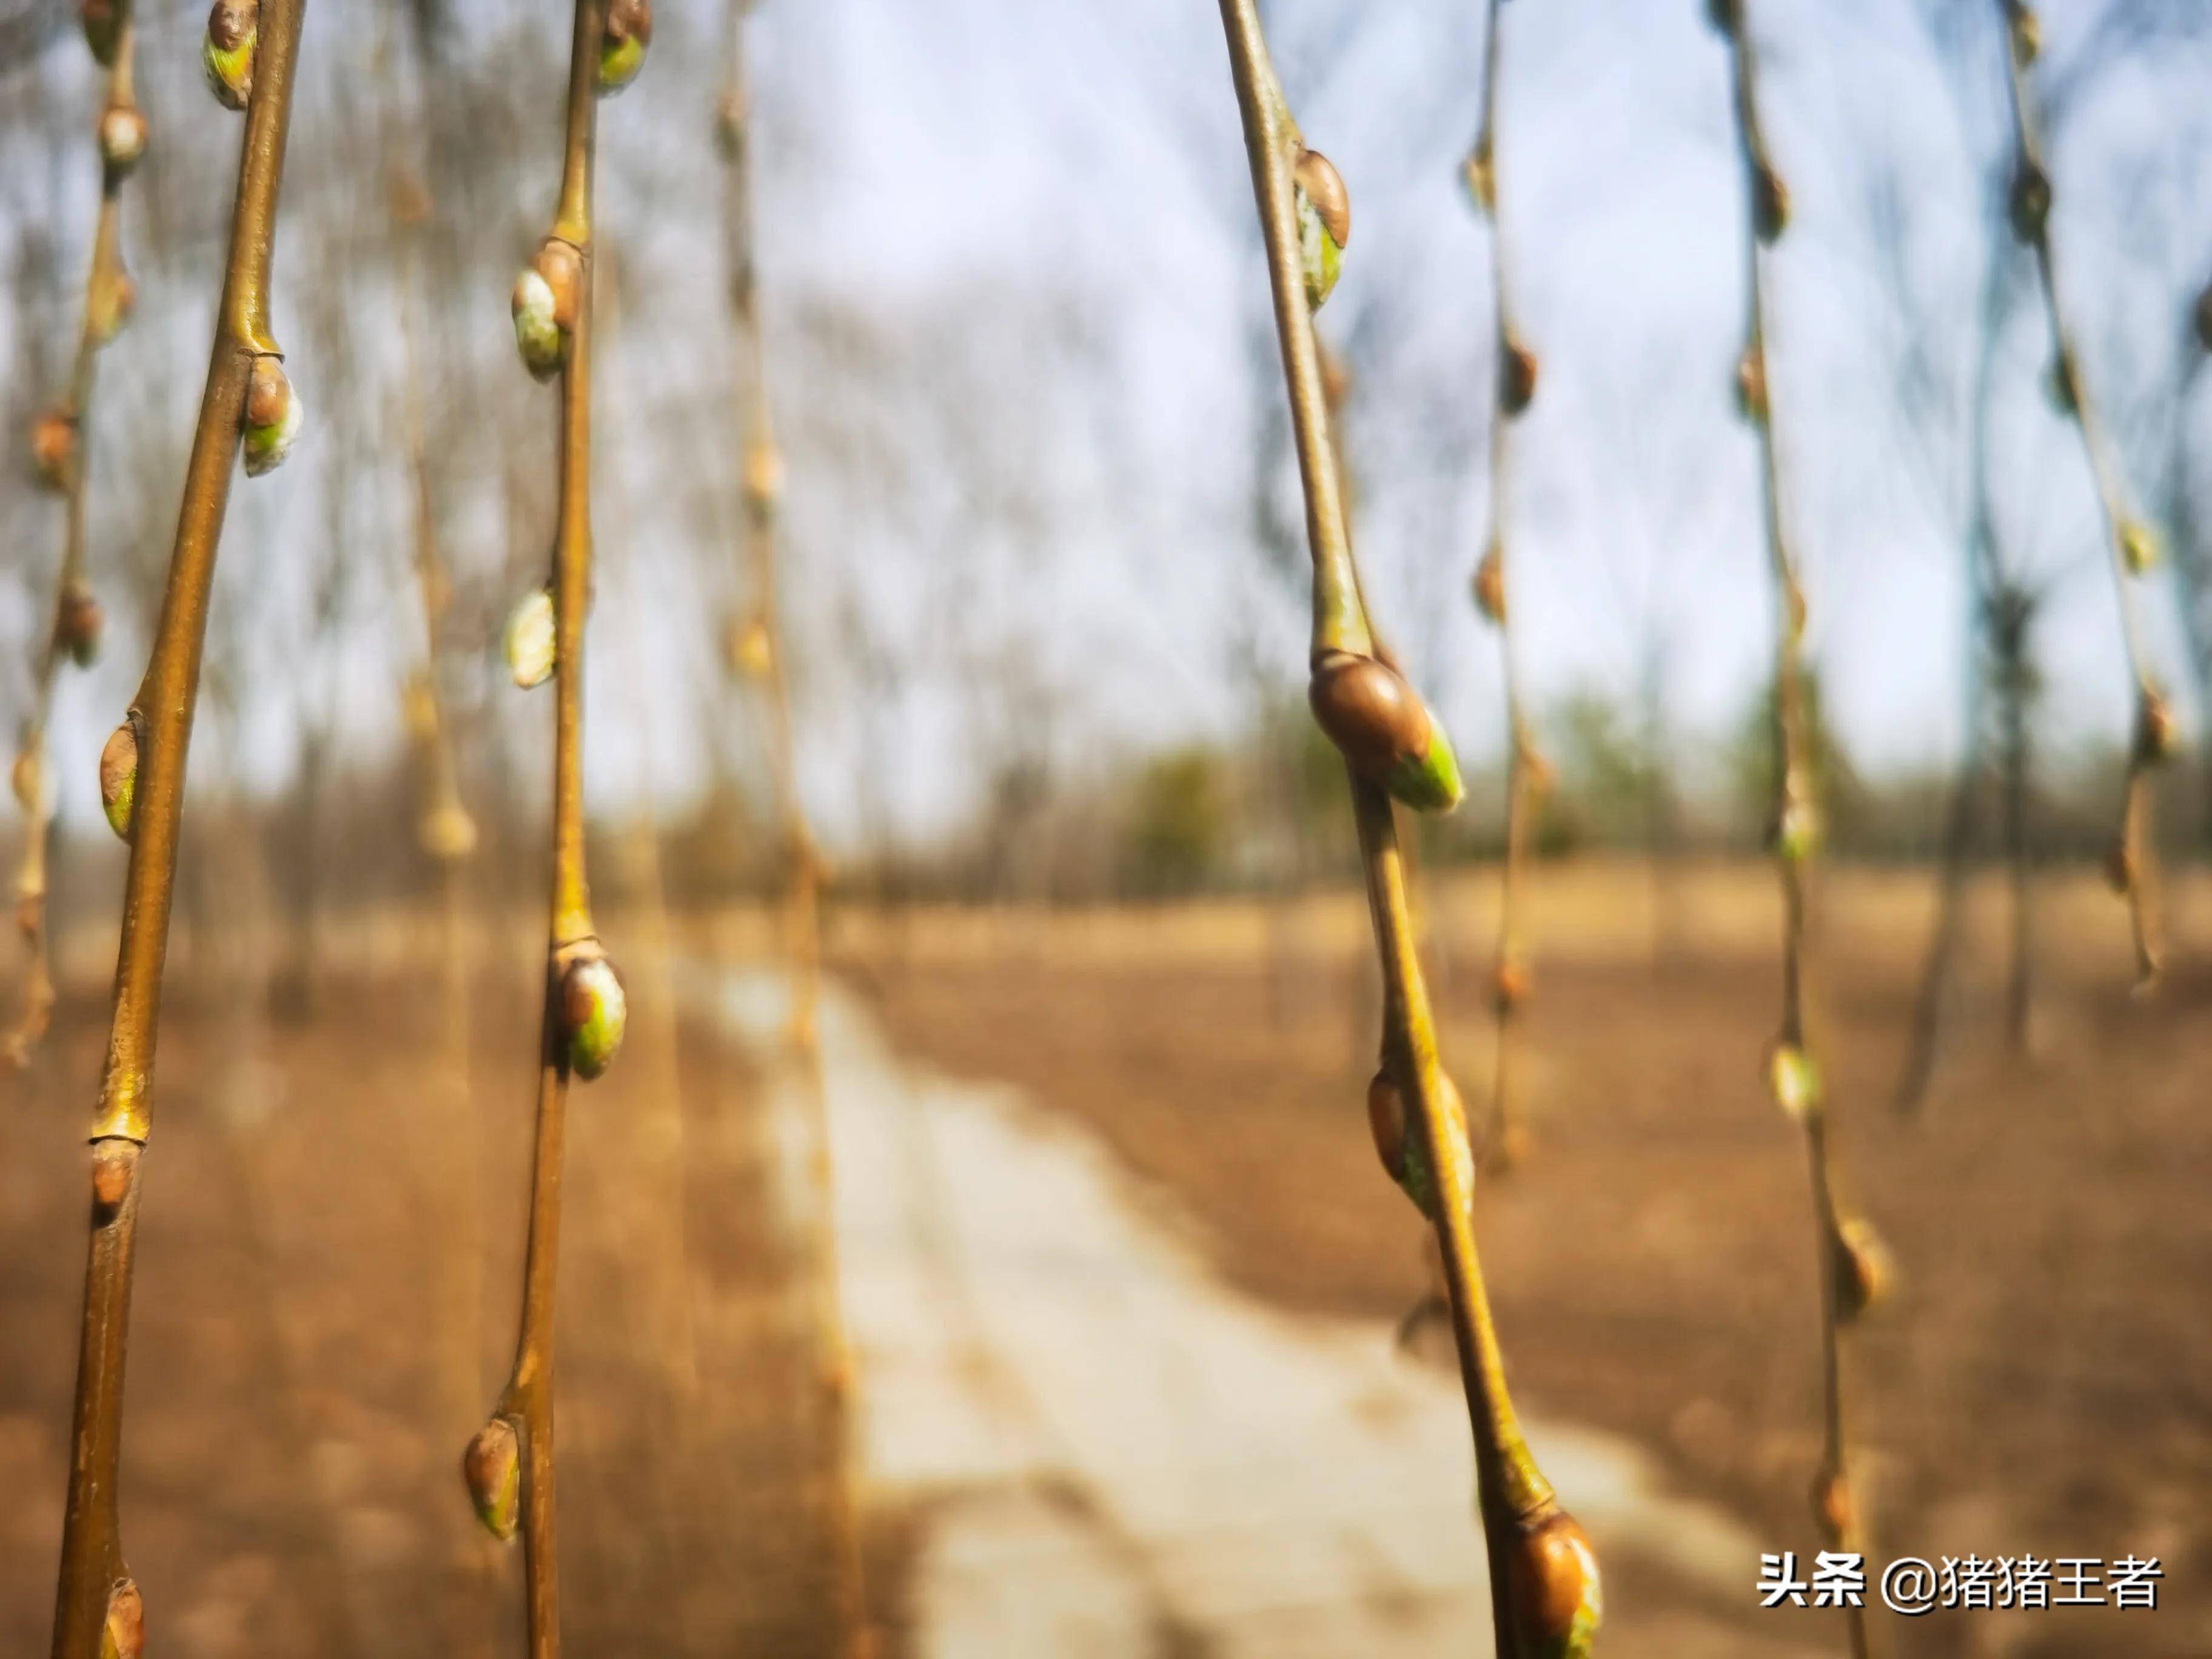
(1544, 1582)
(509, 1466)
(58, 444)
(246, 409)
(1526, 774)
(2132, 545)
(1854, 1265)
(755, 649)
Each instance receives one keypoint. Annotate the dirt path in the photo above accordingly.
(1119, 1455)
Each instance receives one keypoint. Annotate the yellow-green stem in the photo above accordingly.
(32, 877)
(92, 1549)
(1513, 1494)
(1794, 780)
(802, 919)
(2135, 837)
(527, 1401)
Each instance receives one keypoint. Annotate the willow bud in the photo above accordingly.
(78, 624)
(1490, 582)
(1794, 1080)
(2065, 385)
(447, 833)
(119, 777)
(545, 301)
(1516, 376)
(1770, 203)
(108, 303)
(28, 779)
(730, 117)
(762, 478)
(1336, 376)
(1862, 1267)
(418, 708)
(531, 640)
(1384, 731)
(227, 54)
(628, 33)
(1798, 823)
(103, 30)
(1509, 984)
(1751, 385)
(2030, 204)
(1405, 1155)
(1479, 174)
(1324, 222)
(749, 648)
(2120, 866)
(2139, 548)
(123, 1632)
(592, 1009)
(122, 138)
(1558, 1601)
(2026, 31)
(274, 415)
(2157, 736)
(53, 448)
(1726, 16)
(492, 1466)
(1832, 1504)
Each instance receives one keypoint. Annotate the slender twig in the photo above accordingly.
(1853, 1265)
(509, 1464)
(757, 650)
(1543, 1578)
(59, 443)
(1525, 773)
(247, 405)
(2131, 545)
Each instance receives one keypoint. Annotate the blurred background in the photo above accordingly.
(1122, 1285)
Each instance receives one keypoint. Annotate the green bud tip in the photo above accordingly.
(2139, 548)
(123, 1632)
(1324, 210)
(274, 415)
(531, 641)
(628, 33)
(119, 777)
(492, 1466)
(1384, 731)
(227, 53)
(1558, 1599)
(1794, 1079)
(545, 305)
(593, 1010)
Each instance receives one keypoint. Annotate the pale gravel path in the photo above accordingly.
(1127, 1457)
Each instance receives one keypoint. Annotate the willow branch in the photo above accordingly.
(1544, 1587)
(509, 1464)
(60, 442)
(757, 650)
(93, 1580)
(1524, 769)
(1851, 1263)
(2129, 544)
